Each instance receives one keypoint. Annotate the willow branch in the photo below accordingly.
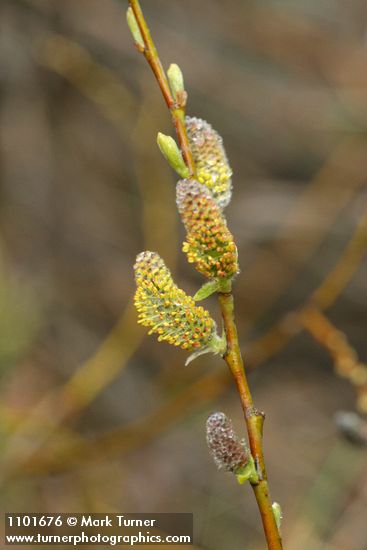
(254, 419)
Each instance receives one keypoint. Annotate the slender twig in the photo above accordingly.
(254, 419)
(177, 109)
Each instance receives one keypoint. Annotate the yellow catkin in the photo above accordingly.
(210, 159)
(166, 309)
(209, 243)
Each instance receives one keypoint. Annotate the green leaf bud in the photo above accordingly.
(134, 28)
(172, 154)
(176, 81)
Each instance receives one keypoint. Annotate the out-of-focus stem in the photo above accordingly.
(254, 420)
(177, 110)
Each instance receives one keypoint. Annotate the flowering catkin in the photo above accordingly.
(228, 451)
(209, 243)
(210, 159)
(167, 309)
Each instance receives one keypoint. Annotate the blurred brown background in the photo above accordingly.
(95, 416)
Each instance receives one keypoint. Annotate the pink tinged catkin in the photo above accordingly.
(228, 452)
(209, 243)
(210, 159)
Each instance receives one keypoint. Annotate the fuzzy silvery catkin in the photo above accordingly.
(209, 243)
(228, 451)
(168, 310)
(210, 159)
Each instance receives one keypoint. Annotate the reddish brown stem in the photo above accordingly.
(254, 421)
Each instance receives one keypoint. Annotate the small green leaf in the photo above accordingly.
(207, 290)
(196, 354)
(247, 473)
(217, 345)
(175, 79)
(134, 28)
(215, 285)
(172, 154)
(277, 511)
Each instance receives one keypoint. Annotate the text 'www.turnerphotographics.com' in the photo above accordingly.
(123, 529)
